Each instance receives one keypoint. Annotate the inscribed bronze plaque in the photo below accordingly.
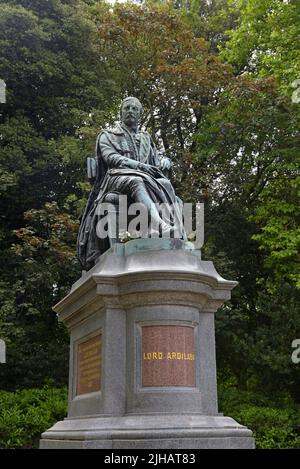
(168, 356)
(89, 365)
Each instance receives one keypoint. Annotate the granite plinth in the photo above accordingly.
(144, 431)
(152, 302)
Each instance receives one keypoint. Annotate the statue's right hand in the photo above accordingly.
(143, 167)
(151, 170)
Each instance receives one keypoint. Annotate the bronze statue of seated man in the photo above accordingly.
(128, 163)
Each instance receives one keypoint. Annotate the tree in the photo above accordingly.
(247, 147)
(161, 62)
(266, 40)
(44, 266)
(58, 96)
(210, 19)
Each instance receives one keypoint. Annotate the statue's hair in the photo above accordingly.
(137, 102)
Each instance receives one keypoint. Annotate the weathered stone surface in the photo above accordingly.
(144, 300)
(158, 432)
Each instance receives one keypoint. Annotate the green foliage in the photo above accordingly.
(56, 90)
(24, 415)
(247, 139)
(266, 39)
(44, 262)
(211, 19)
(275, 425)
(246, 145)
(278, 215)
(49, 63)
(247, 156)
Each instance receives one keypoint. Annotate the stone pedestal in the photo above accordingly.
(142, 360)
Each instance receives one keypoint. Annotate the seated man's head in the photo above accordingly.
(131, 111)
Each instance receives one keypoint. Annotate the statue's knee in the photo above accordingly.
(112, 198)
(137, 181)
(165, 182)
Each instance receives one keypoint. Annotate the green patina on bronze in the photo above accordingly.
(128, 163)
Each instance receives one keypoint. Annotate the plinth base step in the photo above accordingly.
(148, 432)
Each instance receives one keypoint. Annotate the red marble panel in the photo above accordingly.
(168, 356)
(89, 365)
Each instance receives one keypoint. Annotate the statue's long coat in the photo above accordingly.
(116, 158)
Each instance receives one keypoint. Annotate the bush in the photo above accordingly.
(274, 424)
(25, 414)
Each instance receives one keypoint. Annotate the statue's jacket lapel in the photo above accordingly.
(145, 147)
(117, 138)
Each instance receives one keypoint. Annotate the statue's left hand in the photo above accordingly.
(165, 163)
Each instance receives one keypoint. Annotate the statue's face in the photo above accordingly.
(130, 113)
